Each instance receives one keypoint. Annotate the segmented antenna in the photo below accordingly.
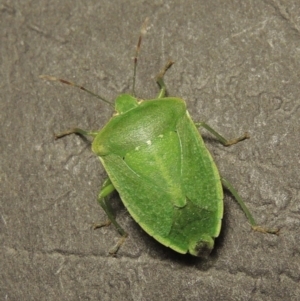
(137, 51)
(52, 78)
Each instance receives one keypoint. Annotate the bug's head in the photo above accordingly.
(125, 103)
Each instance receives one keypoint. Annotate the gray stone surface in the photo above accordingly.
(237, 66)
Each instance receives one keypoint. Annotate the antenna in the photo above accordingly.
(137, 51)
(52, 78)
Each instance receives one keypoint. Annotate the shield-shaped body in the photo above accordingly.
(164, 174)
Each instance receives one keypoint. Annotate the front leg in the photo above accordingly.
(219, 137)
(76, 131)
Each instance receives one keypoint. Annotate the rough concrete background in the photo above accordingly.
(237, 66)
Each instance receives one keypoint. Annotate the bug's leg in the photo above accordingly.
(76, 131)
(106, 189)
(249, 216)
(160, 79)
(222, 140)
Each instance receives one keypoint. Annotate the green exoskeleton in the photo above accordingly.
(156, 160)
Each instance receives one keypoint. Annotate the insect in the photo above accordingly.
(156, 160)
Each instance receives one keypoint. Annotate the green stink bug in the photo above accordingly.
(157, 161)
